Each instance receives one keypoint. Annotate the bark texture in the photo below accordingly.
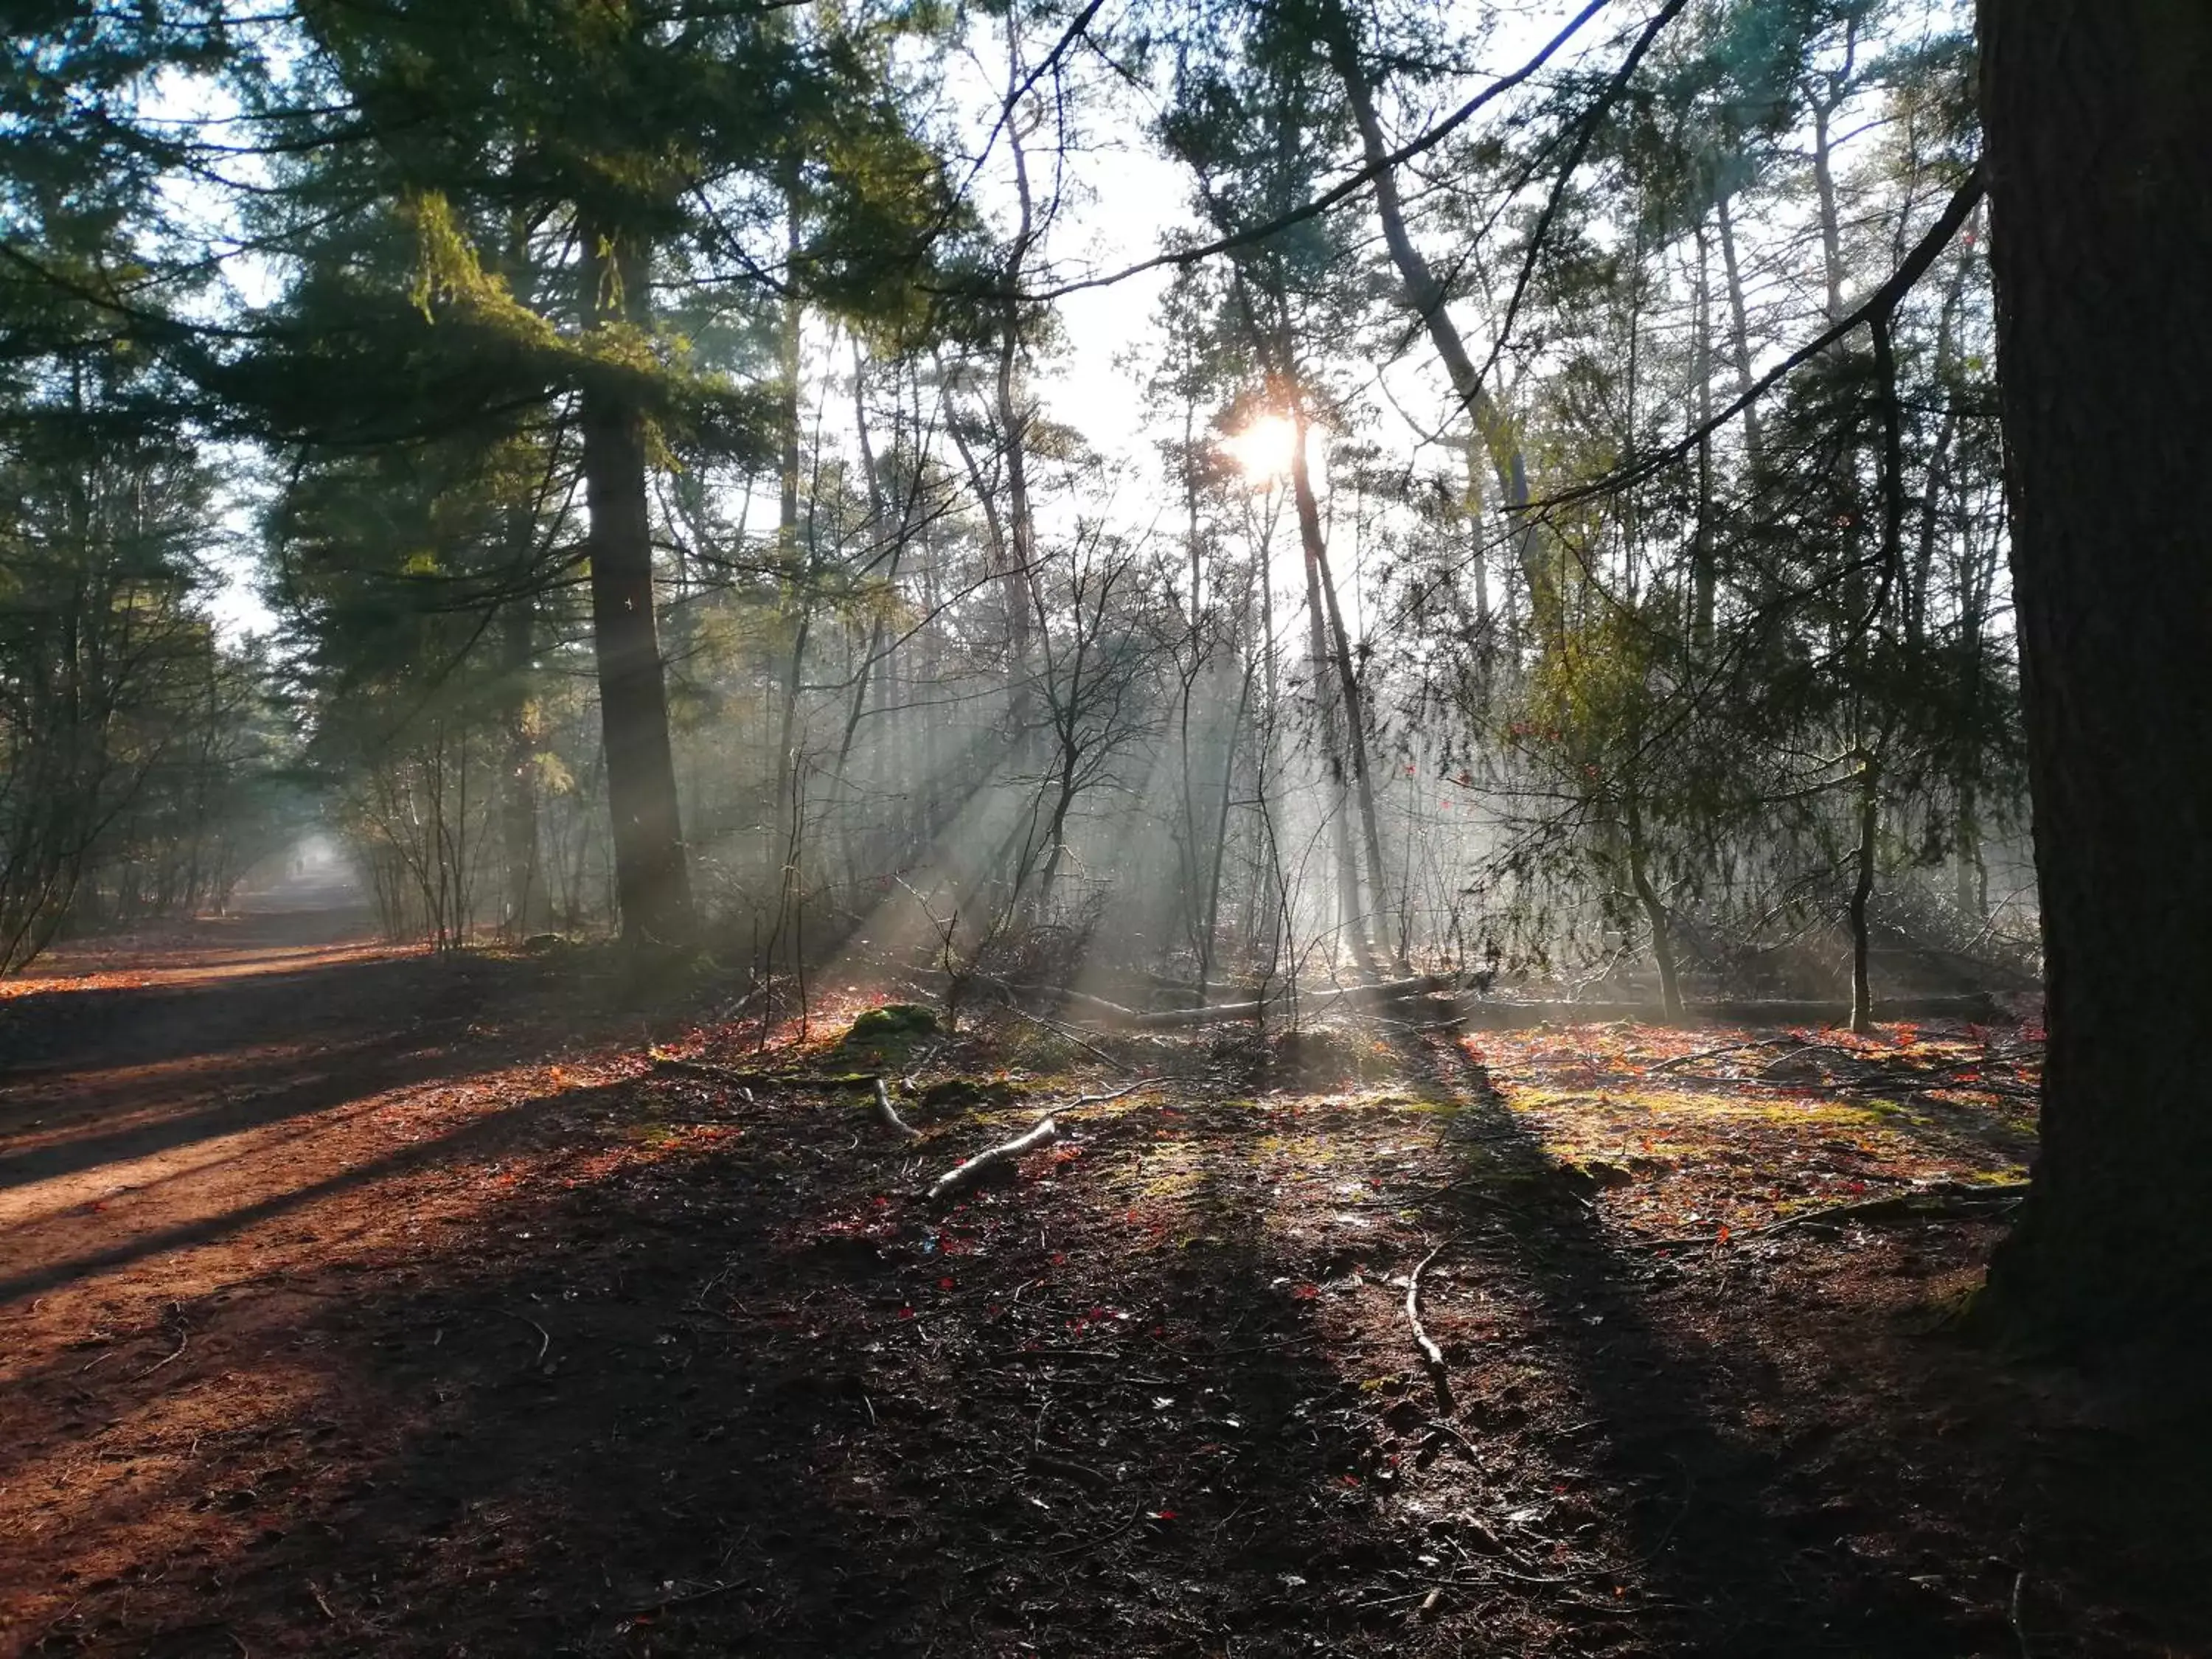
(2099, 116)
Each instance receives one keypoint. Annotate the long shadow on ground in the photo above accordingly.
(739, 1400)
(1741, 1529)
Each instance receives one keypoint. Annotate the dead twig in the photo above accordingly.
(1431, 1355)
(544, 1337)
(1070, 1033)
(909, 1082)
(963, 1175)
(703, 1593)
(176, 1316)
(183, 1338)
(1068, 1469)
(1100, 1100)
(1714, 1054)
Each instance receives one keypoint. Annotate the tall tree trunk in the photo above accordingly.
(1206, 939)
(1655, 912)
(1824, 184)
(1329, 699)
(518, 781)
(652, 884)
(1704, 582)
(1336, 643)
(794, 568)
(1870, 783)
(1018, 576)
(1739, 329)
(2099, 118)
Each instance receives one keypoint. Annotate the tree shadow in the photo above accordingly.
(475, 1136)
(747, 1393)
(724, 1401)
(1746, 1558)
(47, 1035)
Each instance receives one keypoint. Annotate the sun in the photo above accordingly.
(1264, 448)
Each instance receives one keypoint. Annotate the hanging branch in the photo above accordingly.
(1583, 135)
(1881, 304)
(1328, 198)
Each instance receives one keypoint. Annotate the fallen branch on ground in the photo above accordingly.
(1505, 1016)
(1169, 1019)
(1922, 1203)
(1952, 1200)
(1396, 990)
(1068, 1469)
(1714, 1054)
(1431, 1355)
(961, 1176)
(544, 1336)
(183, 1336)
(1067, 1031)
(1100, 1100)
(887, 1114)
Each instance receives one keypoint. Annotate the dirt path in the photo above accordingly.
(173, 1111)
(201, 1134)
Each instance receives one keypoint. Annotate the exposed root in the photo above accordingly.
(887, 1114)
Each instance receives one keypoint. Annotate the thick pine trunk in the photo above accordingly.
(652, 885)
(2099, 116)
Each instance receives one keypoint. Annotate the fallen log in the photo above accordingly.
(1396, 990)
(1487, 1015)
(961, 1176)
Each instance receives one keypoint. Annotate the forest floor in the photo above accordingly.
(355, 1301)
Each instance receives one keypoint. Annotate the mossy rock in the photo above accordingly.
(893, 1022)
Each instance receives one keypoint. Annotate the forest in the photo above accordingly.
(1080, 826)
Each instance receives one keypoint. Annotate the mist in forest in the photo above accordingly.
(1476, 577)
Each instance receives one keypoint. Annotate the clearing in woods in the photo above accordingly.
(358, 1301)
